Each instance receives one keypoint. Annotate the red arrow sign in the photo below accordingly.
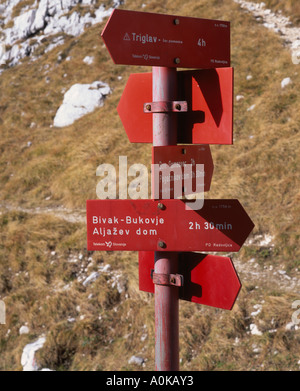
(141, 38)
(198, 179)
(209, 119)
(168, 225)
(207, 279)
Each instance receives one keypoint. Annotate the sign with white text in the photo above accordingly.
(185, 169)
(207, 279)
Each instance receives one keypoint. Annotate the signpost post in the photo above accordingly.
(164, 82)
(167, 108)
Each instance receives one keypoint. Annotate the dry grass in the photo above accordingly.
(38, 279)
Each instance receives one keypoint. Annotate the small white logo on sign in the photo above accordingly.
(126, 37)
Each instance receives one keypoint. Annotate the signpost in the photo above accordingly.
(208, 118)
(179, 157)
(141, 38)
(207, 279)
(168, 108)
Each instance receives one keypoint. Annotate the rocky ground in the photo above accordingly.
(278, 23)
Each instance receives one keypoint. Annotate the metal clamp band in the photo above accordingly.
(166, 107)
(167, 279)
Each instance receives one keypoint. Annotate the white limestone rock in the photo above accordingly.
(80, 100)
(44, 19)
(28, 360)
(285, 82)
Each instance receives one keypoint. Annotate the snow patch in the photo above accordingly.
(259, 240)
(258, 308)
(88, 60)
(115, 279)
(24, 330)
(285, 82)
(266, 240)
(252, 107)
(91, 278)
(254, 330)
(291, 326)
(136, 360)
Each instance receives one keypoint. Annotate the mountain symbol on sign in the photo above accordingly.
(126, 37)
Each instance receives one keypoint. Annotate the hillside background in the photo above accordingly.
(84, 311)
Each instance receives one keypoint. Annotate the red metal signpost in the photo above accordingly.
(141, 38)
(207, 279)
(167, 108)
(208, 94)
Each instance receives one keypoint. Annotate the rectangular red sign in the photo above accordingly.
(209, 95)
(187, 180)
(142, 38)
(167, 225)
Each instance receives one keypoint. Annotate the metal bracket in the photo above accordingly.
(166, 107)
(167, 279)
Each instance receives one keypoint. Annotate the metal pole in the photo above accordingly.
(164, 84)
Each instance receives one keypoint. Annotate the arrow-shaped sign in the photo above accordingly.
(192, 169)
(142, 38)
(209, 115)
(207, 279)
(167, 225)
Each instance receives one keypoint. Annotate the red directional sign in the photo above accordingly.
(207, 279)
(188, 181)
(141, 38)
(208, 119)
(167, 225)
